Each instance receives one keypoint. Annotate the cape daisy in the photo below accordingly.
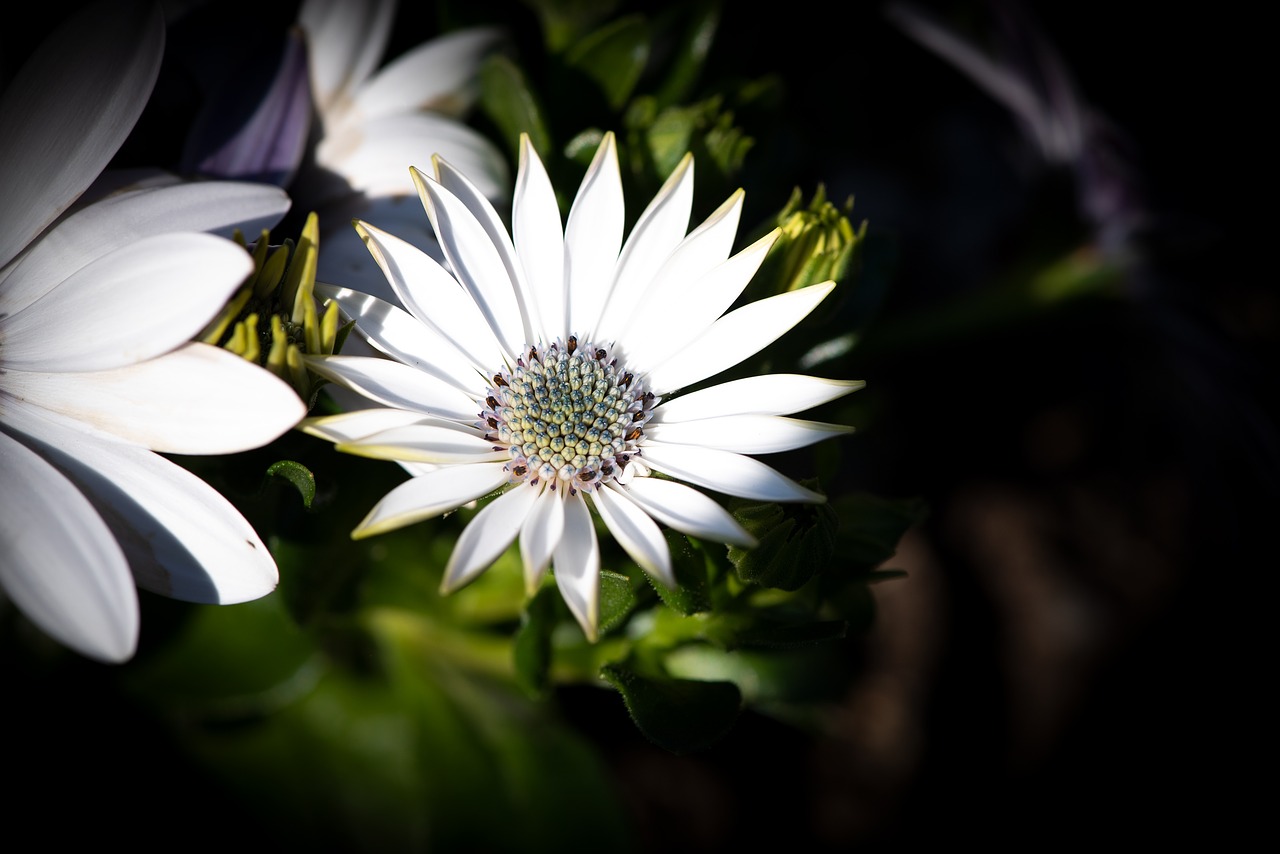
(543, 368)
(98, 305)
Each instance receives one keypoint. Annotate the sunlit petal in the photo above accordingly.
(540, 536)
(746, 434)
(349, 426)
(649, 245)
(766, 394)
(725, 471)
(398, 334)
(438, 442)
(593, 237)
(635, 531)
(739, 334)
(346, 42)
(393, 384)
(539, 239)
(487, 536)
(687, 510)
(577, 566)
(431, 494)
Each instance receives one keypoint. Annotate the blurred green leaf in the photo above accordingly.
(531, 646)
(507, 99)
(870, 527)
(681, 715)
(614, 56)
(564, 22)
(685, 64)
(298, 475)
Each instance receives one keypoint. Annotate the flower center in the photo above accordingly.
(571, 414)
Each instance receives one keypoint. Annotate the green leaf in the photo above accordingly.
(795, 542)
(689, 58)
(680, 715)
(689, 562)
(614, 56)
(617, 598)
(531, 646)
(871, 527)
(565, 22)
(297, 474)
(507, 99)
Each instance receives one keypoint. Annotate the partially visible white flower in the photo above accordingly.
(546, 366)
(374, 120)
(97, 309)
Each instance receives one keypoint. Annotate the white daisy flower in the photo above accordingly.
(545, 368)
(97, 309)
(374, 119)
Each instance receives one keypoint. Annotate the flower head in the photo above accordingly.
(98, 306)
(545, 367)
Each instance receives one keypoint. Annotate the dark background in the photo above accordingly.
(1073, 655)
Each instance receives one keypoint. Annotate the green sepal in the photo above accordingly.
(680, 715)
(614, 56)
(795, 542)
(508, 100)
(298, 475)
(564, 22)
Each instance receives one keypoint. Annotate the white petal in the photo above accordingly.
(345, 257)
(122, 219)
(345, 41)
(196, 400)
(475, 260)
(593, 238)
(439, 74)
(706, 247)
(487, 536)
(456, 182)
(373, 156)
(400, 335)
(427, 495)
(539, 240)
(739, 334)
(396, 385)
(183, 539)
(725, 471)
(435, 298)
(67, 111)
(132, 304)
(58, 561)
(349, 426)
(439, 442)
(765, 394)
(688, 510)
(540, 535)
(636, 531)
(577, 566)
(700, 303)
(746, 434)
(651, 242)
